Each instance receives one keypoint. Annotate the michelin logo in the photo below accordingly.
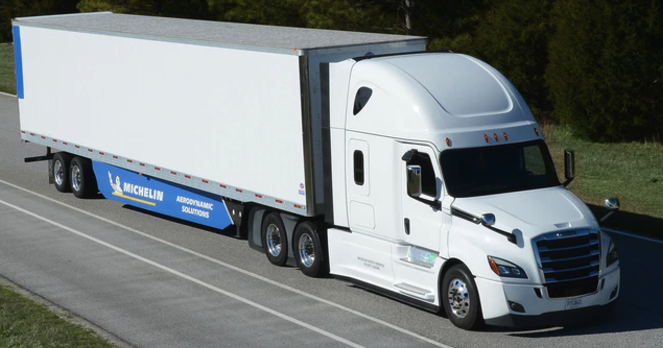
(119, 189)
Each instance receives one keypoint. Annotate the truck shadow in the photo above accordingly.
(643, 225)
(229, 231)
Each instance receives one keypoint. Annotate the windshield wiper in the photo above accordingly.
(486, 220)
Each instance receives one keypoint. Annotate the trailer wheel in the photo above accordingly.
(60, 169)
(308, 250)
(274, 239)
(83, 182)
(461, 299)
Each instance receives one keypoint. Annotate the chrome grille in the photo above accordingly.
(569, 261)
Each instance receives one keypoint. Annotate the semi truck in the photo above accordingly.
(422, 176)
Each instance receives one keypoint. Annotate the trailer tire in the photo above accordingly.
(83, 182)
(274, 239)
(308, 250)
(60, 168)
(461, 299)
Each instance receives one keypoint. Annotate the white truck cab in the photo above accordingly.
(444, 192)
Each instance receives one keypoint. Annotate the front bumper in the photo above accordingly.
(521, 305)
(551, 319)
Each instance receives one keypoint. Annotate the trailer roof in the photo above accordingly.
(261, 37)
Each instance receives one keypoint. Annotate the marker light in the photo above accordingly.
(495, 137)
(485, 137)
(506, 137)
(536, 131)
(448, 142)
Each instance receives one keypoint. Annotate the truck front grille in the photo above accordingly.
(569, 261)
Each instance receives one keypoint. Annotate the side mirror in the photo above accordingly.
(612, 204)
(414, 181)
(569, 166)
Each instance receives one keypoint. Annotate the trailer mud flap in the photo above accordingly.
(161, 197)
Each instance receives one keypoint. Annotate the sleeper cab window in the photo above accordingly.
(358, 159)
(361, 99)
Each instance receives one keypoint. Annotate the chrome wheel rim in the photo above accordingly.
(306, 250)
(273, 236)
(58, 172)
(459, 298)
(76, 178)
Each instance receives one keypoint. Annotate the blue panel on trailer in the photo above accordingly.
(18, 61)
(161, 197)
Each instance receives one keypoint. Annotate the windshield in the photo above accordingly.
(498, 169)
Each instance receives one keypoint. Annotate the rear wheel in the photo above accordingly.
(60, 168)
(461, 299)
(83, 182)
(274, 239)
(308, 250)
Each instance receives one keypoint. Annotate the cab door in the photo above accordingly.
(422, 217)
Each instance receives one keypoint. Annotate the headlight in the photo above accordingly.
(504, 268)
(613, 254)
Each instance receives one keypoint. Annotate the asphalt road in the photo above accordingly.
(154, 282)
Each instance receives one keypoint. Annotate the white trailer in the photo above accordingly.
(420, 175)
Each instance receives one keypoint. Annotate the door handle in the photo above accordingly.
(406, 222)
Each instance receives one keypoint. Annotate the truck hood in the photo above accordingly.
(531, 212)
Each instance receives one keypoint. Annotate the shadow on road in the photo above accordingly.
(644, 225)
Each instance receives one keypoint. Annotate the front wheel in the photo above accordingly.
(461, 299)
(308, 250)
(274, 239)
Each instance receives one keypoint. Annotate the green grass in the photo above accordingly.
(26, 323)
(7, 77)
(633, 172)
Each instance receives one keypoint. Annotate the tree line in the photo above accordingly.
(596, 66)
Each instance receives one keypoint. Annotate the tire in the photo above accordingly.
(274, 239)
(60, 169)
(81, 175)
(460, 298)
(309, 251)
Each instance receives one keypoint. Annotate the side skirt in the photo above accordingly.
(393, 295)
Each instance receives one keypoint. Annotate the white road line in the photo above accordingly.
(187, 277)
(237, 269)
(632, 235)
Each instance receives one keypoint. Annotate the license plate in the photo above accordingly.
(573, 303)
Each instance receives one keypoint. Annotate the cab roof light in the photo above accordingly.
(536, 131)
(506, 137)
(495, 137)
(448, 141)
(485, 137)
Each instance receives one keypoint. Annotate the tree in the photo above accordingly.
(513, 37)
(23, 8)
(358, 15)
(168, 8)
(606, 68)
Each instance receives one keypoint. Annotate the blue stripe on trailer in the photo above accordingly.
(160, 196)
(18, 61)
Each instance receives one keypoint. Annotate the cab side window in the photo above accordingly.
(428, 181)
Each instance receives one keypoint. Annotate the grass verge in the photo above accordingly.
(633, 172)
(26, 323)
(7, 77)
